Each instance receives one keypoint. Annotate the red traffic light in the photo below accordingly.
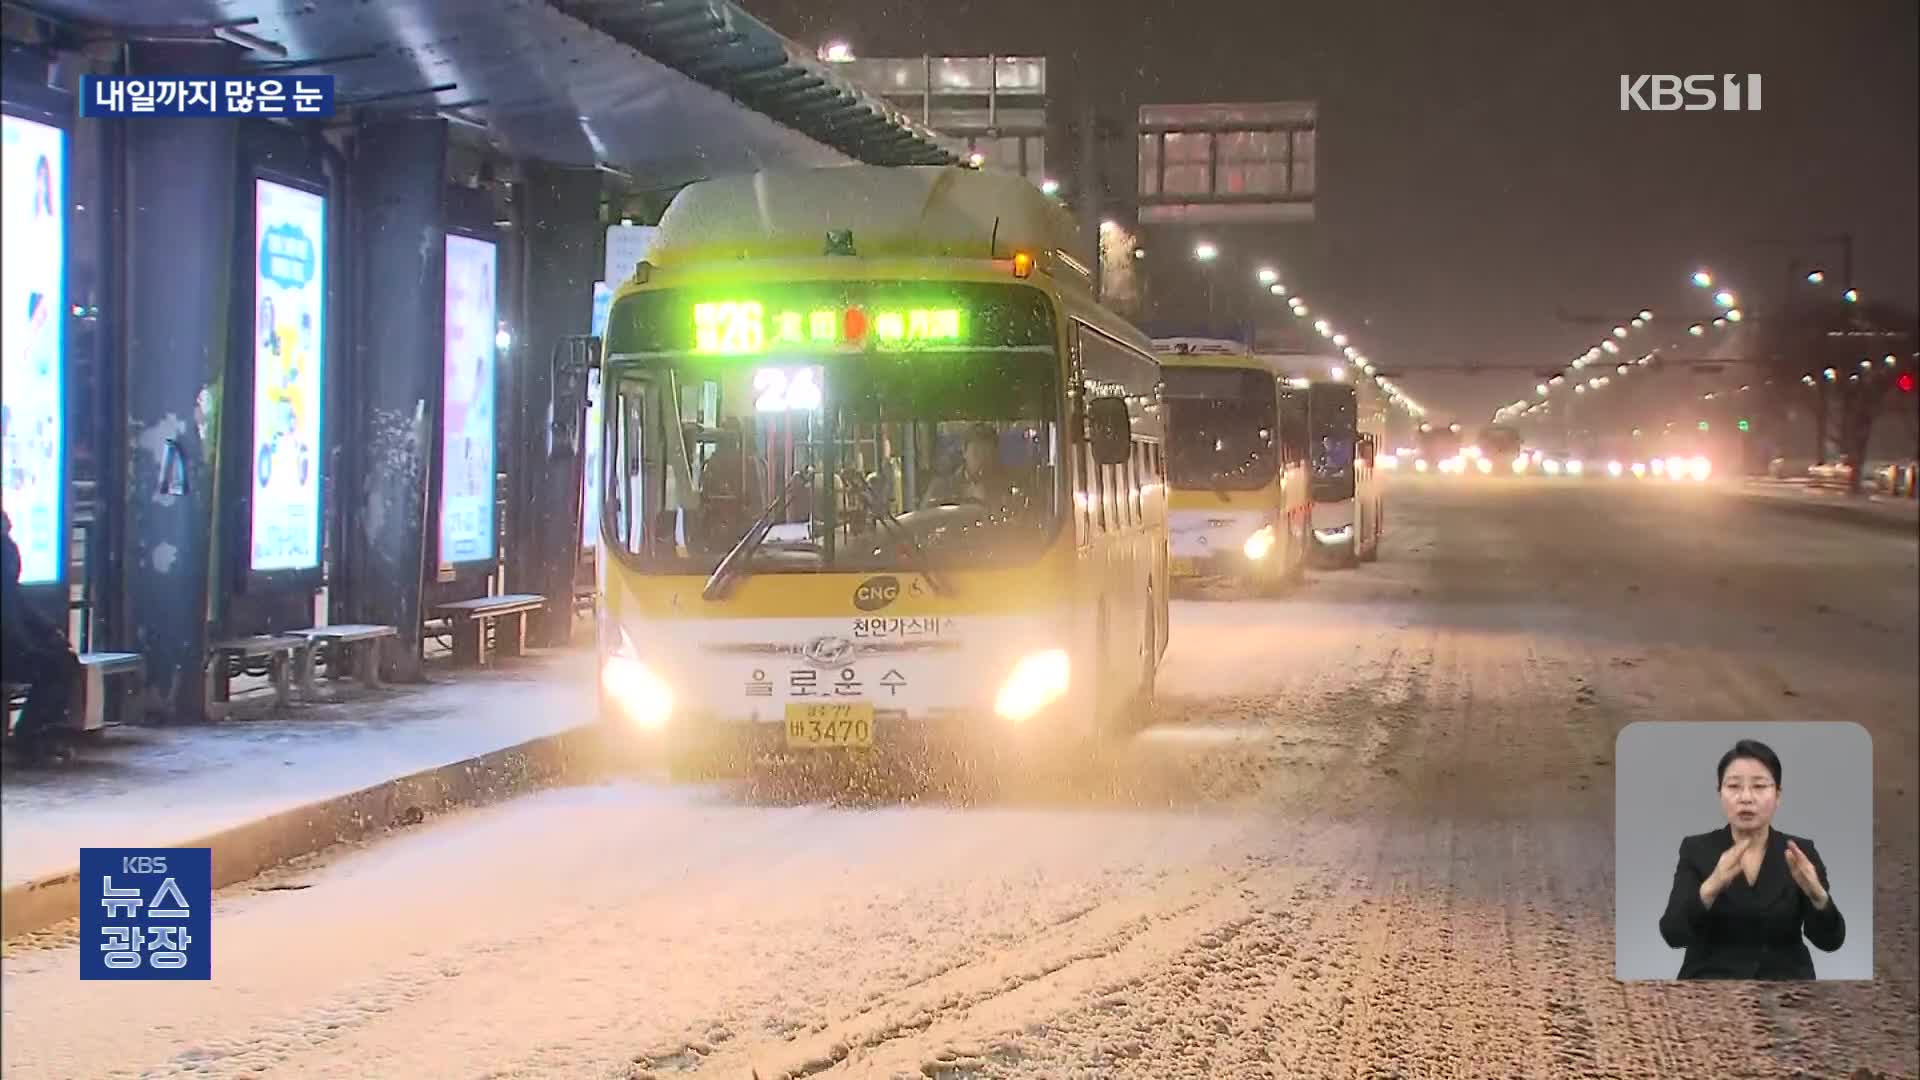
(1905, 382)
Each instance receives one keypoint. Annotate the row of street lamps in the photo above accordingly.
(1577, 372)
(1206, 253)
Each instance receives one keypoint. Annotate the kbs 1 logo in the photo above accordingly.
(1691, 93)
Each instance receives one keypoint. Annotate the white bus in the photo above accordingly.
(1348, 508)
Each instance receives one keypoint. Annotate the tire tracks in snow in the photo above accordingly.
(1122, 942)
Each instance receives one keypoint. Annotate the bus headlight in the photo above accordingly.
(1260, 544)
(1037, 681)
(643, 696)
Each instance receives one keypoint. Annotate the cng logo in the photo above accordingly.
(876, 593)
(1692, 93)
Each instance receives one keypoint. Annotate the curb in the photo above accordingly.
(244, 851)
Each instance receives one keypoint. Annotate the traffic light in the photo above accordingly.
(1905, 382)
(1744, 426)
(1703, 425)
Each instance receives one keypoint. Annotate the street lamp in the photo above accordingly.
(837, 52)
(1851, 296)
(1720, 322)
(1619, 331)
(1733, 315)
(1339, 373)
(1205, 252)
(1703, 279)
(1645, 315)
(1277, 289)
(1049, 186)
(1724, 298)
(1696, 329)
(1324, 327)
(1816, 277)
(1541, 389)
(1340, 340)
(1268, 275)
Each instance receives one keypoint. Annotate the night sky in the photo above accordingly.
(1477, 174)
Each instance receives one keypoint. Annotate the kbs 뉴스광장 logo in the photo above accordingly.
(146, 913)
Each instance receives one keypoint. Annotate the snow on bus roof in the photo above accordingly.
(911, 211)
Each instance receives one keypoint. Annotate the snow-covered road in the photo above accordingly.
(1371, 836)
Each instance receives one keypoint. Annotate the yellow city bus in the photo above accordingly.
(878, 471)
(1236, 466)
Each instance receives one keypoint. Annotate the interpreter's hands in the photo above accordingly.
(1728, 867)
(1805, 876)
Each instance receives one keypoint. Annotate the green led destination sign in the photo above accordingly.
(830, 318)
(749, 327)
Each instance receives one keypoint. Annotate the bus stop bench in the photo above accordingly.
(354, 647)
(90, 707)
(284, 655)
(505, 616)
(88, 710)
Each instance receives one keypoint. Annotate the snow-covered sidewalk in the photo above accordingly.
(1869, 505)
(165, 786)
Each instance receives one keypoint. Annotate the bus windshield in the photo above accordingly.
(1331, 411)
(1222, 425)
(862, 462)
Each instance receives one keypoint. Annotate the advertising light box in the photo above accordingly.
(590, 479)
(33, 245)
(467, 433)
(289, 357)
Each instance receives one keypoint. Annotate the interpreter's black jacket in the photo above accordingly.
(1752, 931)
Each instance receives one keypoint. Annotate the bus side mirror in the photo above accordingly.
(1109, 431)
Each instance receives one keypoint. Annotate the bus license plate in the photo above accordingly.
(812, 727)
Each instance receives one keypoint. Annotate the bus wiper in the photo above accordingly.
(736, 560)
(897, 529)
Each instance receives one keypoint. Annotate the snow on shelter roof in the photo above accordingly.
(896, 211)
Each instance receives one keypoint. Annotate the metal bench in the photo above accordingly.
(505, 616)
(90, 707)
(358, 644)
(284, 653)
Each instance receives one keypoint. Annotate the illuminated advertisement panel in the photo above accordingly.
(289, 353)
(467, 435)
(590, 482)
(33, 245)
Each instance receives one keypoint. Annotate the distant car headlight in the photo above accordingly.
(1614, 468)
(1576, 467)
(1640, 468)
(1420, 465)
(1485, 466)
(1520, 464)
(1037, 681)
(643, 696)
(1260, 544)
(1551, 467)
(1700, 468)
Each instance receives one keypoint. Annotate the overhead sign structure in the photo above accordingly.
(33, 244)
(289, 351)
(467, 431)
(1228, 164)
